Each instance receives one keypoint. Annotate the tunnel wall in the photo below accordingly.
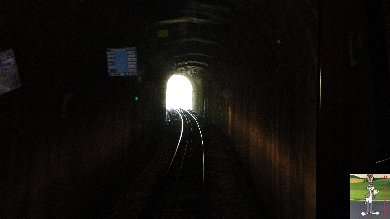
(266, 101)
(354, 113)
(70, 132)
(57, 166)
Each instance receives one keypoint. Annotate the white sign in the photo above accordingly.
(9, 76)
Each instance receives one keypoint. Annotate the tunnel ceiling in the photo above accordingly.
(194, 37)
(187, 36)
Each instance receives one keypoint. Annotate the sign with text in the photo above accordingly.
(9, 76)
(162, 34)
(122, 61)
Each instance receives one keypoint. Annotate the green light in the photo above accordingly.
(136, 98)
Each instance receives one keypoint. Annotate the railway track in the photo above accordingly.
(181, 192)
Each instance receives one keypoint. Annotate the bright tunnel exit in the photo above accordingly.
(179, 93)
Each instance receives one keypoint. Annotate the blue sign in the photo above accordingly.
(122, 61)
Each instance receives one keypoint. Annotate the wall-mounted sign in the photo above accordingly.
(122, 61)
(162, 34)
(9, 76)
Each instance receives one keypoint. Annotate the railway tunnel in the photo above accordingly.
(249, 130)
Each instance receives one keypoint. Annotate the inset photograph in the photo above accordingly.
(369, 196)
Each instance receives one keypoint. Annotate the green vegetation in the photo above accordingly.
(359, 190)
(356, 177)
